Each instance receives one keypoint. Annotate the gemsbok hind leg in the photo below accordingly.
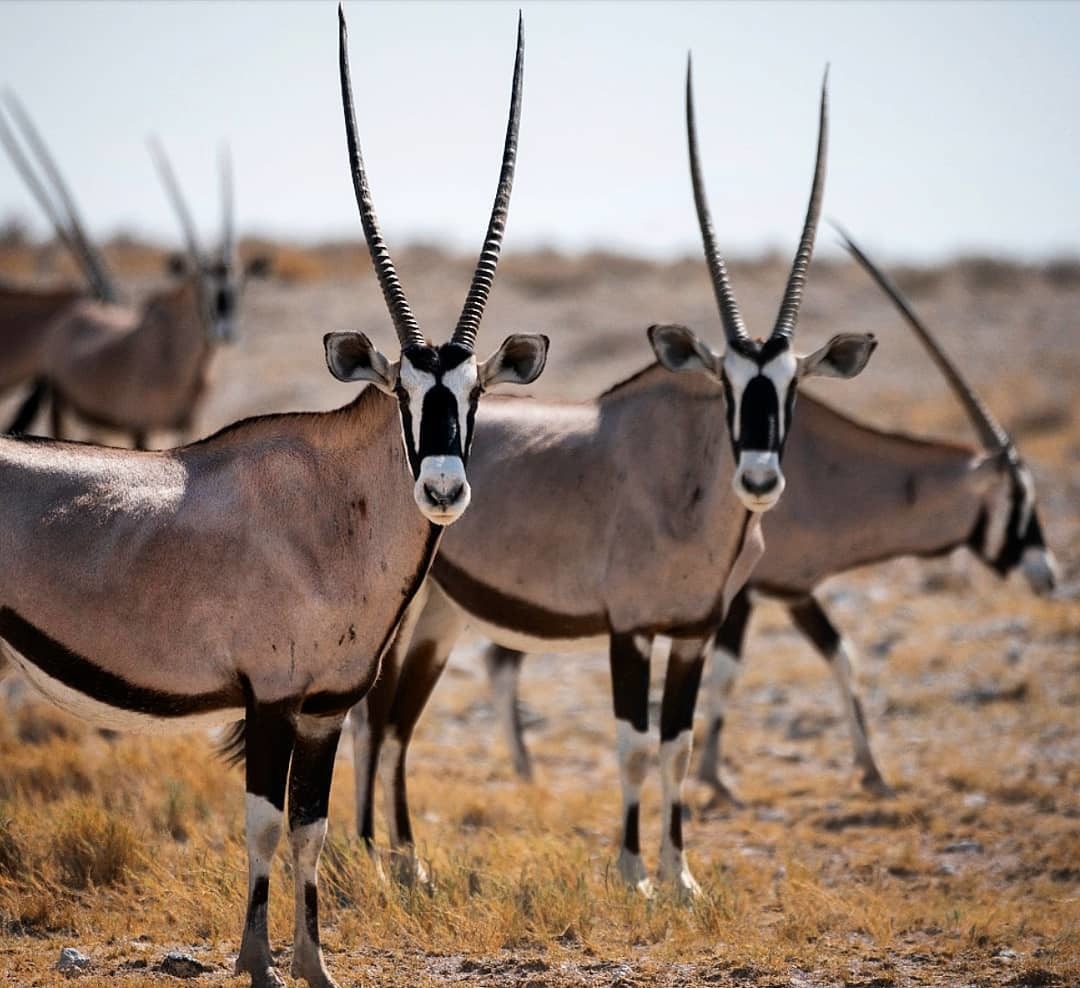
(630, 656)
(727, 654)
(676, 740)
(367, 721)
(309, 800)
(504, 672)
(812, 620)
(269, 737)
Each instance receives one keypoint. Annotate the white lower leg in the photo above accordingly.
(633, 753)
(307, 844)
(674, 763)
(263, 825)
(718, 687)
(504, 696)
(844, 666)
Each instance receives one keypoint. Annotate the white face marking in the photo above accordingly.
(998, 518)
(417, 384)
(758, 468)
(1040, 568)
(461, 381)
(739, 371)
(442, 476)
(781, 370)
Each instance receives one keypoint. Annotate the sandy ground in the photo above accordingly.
(970, 876)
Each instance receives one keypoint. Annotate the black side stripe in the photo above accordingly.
(76, 672)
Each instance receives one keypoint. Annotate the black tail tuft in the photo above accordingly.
(24, 417)
(233, 744)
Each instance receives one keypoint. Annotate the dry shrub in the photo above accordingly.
(13, 853)
(92, 848)
(61, 773)
(38, 723)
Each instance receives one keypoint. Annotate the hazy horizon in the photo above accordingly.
(953, 126)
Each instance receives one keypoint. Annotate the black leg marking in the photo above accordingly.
(631, 833)
(815, 624)
(630, 679)
(733, 630)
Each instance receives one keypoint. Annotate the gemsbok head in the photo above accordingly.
(760, 377)
(218, 273)
(437, 385)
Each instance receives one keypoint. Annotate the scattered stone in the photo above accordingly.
(72, 961)
(995, 628)
(975, 800)
(804, 726)
(980, 696)
(963, 847)
(180, 965)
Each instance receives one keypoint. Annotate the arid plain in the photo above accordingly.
(128, 848)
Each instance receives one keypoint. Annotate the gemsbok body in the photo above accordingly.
(258, 574)
(616, 520)
(859, 495)
(135, 369)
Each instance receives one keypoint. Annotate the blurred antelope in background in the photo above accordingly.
(135, 369)
(863, 496)
(613, 521)
(261, 573)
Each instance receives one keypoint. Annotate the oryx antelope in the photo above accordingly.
(135, 369)
(864, 496)
(616, 520)
(260, 573)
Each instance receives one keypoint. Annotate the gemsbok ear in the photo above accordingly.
(177, 266)
(353, 357)
(845, 355)
(519, 360)
(678, 349)
(260, 266)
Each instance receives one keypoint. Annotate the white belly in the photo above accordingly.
(521, 642)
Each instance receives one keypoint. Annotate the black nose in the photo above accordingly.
(443, 498)
(760, 487)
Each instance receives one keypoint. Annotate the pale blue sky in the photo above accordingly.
(954, 126)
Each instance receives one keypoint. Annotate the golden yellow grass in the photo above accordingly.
(129, 847)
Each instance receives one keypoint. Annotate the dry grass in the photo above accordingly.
(127, 848)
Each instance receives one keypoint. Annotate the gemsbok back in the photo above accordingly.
(135, 369)
(261, 573)
(615, 520)
(864, 496)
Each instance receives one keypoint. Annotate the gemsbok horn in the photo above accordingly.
(666, 474)
(261, 573)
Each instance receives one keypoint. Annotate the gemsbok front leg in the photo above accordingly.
(309, 800)
(727, 654)
(630, 657)
(813, 622)
(270, 733)
(676, 741)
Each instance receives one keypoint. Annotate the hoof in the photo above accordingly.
(874, 785)
(722, 797)
(261, 977)
(409, 871)
(680, 881)
(632, 872)
(315, 979)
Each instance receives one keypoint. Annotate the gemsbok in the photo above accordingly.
(864, 496)
(135, 369)
(258, 574)
(616, 520)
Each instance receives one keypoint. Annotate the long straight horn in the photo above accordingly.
(789, 308)
(76, 240)
(734, 327)
(408, 330)
(41, 195)
(473, 310)
(991, 433)
(228, 205)
(176, 197)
